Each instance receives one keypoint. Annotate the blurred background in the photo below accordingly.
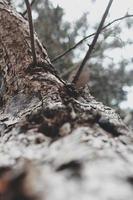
(61, 24)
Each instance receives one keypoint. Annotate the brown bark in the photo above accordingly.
(54, 144)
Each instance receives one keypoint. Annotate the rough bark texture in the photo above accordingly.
(55, 143)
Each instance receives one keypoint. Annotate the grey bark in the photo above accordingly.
(55, 144)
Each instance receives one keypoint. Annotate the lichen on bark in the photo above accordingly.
(54, 142)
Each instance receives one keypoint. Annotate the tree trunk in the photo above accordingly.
(55, 142)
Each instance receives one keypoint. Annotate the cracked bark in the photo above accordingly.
(54, 145)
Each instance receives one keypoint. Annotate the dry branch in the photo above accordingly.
(31, 4)
(31, 32)
(91, 47)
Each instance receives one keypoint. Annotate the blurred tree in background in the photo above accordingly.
(106, 81)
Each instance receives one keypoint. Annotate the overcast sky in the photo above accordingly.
(75, 8)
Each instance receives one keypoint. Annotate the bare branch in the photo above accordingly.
(31, 4)
(91, 47)
(85, 38)
(31, 31)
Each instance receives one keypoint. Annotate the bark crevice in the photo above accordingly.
(55, 143)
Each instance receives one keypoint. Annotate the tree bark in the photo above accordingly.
(55, 142)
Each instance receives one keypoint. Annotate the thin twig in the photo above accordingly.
(91, 47)
(31, 31)
(31, 4)
(85, 38)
